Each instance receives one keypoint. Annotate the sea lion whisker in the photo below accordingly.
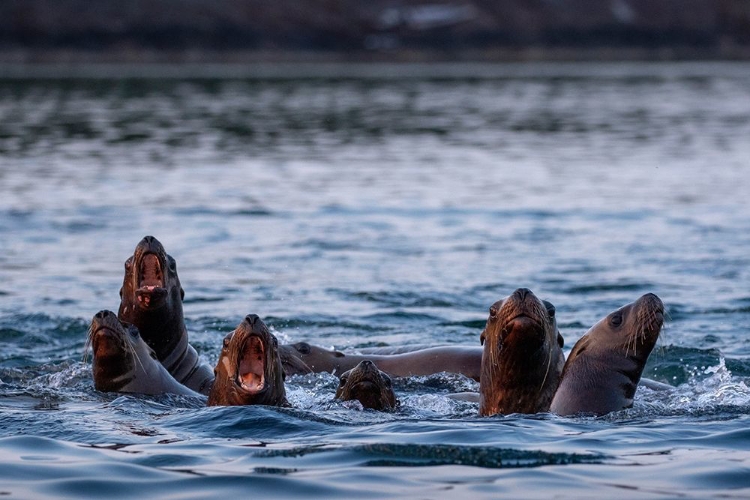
(134, 353)
(89, 343)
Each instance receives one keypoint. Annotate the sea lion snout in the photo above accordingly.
(252, 320)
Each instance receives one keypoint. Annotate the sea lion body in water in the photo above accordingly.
(302, 357)
(151, 299)
(249, 370)
(367, 384)
(602, 372)
(123, 362)
(522, 358)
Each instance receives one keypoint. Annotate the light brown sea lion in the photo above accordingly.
(602, 372)
(122, 362)
(522, 358)
(249, 370)
(301, 358)
(151, 299)
(368, 385)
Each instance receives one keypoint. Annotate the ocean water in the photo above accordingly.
(357, 206)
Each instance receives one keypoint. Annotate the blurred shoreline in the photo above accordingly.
(242, 32)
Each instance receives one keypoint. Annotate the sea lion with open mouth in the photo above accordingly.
(602, 372)
(249, 370)
(522, 358)
(368, 385)
(122, 362)
(151, 299)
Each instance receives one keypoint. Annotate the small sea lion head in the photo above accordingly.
(249, 369)
(367, 384)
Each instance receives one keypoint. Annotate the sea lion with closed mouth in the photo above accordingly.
(249, 370)
(602, 372)
(367, 384)
(522, 358)
(151, 299)
(123, 362)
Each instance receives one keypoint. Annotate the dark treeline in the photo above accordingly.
(708, 28)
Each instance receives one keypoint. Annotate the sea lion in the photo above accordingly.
(249, 370)
(301, 358)
(151, 299)
(123, 362)
(603, 369)
(522, 358)
(370, 386)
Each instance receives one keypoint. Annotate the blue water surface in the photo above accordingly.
(355, 206)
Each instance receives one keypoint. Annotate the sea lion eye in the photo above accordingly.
(302, 347)
(616, 320)
(172, 263)
(128, 264)
(133, 331)
(226, 341)
(387, 380)
(342, 381)
(493, 311)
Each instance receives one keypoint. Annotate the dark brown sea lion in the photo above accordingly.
(301, 358)
(151, 299)
(249, 370)
(368, 385)
(603, 369)
(522, 358)
(122, 361)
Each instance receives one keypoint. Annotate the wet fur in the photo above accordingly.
(522, 358)
(604, 368)
(130, 364)
(377, 394)
(162, 325)
(226, 390)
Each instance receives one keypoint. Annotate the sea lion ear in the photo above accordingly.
(121, 292)
(560, 340)
(182, 294)
(481, 338)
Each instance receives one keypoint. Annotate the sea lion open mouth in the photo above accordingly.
(151, 290)
(251, 365)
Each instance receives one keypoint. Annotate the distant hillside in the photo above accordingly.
(450, 29)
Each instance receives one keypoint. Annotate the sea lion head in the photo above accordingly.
(604, 367)
(151, 280)
(370, 386)
(631, 330)
(522, 358)
(249, 369)
(117, 349)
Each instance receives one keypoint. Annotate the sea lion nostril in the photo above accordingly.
(522, 293)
